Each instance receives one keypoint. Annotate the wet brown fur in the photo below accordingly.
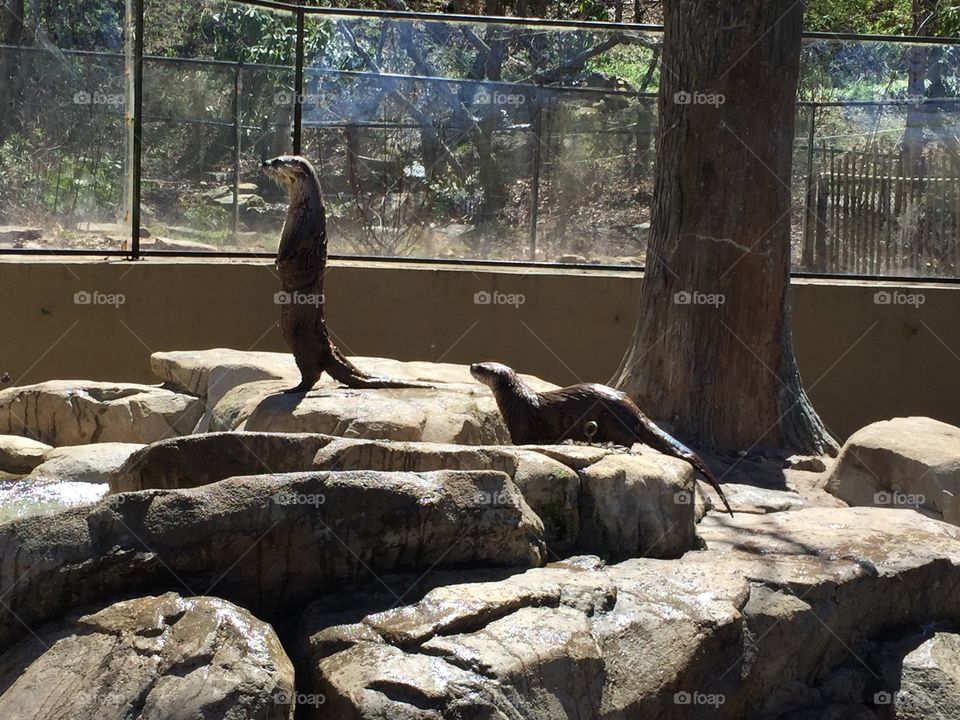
(302, 261)
(569, 414)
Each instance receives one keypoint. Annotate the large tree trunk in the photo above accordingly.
(724, 375)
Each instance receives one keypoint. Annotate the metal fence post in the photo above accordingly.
(537, 122)
(137, 131)
(237, 136)
(807, 257)
(298, 88)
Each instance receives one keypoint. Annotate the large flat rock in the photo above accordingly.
(757, 624)
(95, 463)
(550, 488)
(911, 463)
(196, 460)
(464, 414)
(268, 543)
(19, 455)
(244, 392)
(78, 412)
(153, 658)
(615, 504)
(210, 374)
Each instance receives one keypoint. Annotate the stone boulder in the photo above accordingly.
(930, 680)
(19, 455)
(755, 626)
(210, 374)
(153, 658)
(465, 415)
(591, 499)
(911, 462)
(244, 390)
(550, 488)
(637, 505)
(268, 543)
(79, 412)
(95, 463)
(753, 499)
(196, 460)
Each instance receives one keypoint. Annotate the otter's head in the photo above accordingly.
(492, 374)
(295, 173)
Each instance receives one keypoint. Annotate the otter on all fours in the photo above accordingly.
(302, 261)
(587, 412)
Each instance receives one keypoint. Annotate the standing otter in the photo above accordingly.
(590, 412)
(302, 261)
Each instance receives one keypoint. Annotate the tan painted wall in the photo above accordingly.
(861, 361)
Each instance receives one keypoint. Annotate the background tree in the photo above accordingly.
(712, 351)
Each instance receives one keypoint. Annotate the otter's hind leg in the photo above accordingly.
(308, 341)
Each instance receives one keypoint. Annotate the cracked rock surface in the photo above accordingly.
(78, 412)
(268, 543)
(745, 629)
(19, 455)
(151, 658)
(609, 502)
(911, 462)
(196, 460)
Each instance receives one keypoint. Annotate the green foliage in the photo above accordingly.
(859, 16)
(628, 63)
(886, 17)
(84, 24)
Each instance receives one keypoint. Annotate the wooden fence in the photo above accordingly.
(863, 216)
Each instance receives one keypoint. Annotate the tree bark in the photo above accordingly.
(712, 351)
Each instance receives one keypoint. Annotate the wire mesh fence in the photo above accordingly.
(451, 140)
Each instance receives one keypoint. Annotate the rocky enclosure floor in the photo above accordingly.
(210, 548)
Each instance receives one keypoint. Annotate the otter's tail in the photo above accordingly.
(344, 371)
(665, 443)
(700, 465)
